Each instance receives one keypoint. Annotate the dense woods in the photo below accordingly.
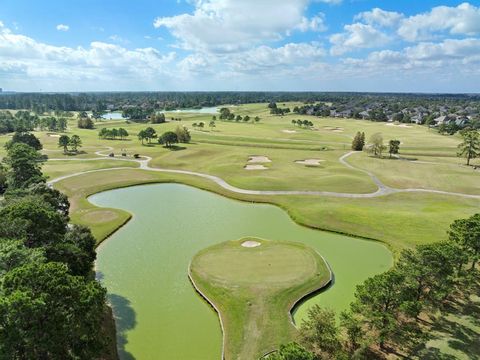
(51, 306)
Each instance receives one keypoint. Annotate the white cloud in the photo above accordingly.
(316, 23)
(332, 2)
(380, 17)
(231, 25)
(463, 19)
(63, 27)
(357, 36)
(268, 59)
(100, 61)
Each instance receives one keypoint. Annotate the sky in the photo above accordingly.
(240, 45)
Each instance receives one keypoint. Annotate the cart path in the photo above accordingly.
(144, 165)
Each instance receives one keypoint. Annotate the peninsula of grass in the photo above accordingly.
(253, 284)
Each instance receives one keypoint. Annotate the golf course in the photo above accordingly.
(331, 216)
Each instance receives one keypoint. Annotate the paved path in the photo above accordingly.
(143, 162)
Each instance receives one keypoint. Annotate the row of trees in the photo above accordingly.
(25, 121)
(105, 133)
(390, 310)
(50, 305)
(303, 123)
(375, 144)
(226, 114)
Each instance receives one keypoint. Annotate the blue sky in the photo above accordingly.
(322, 45)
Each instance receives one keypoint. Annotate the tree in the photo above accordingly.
(246, 118)
(103, 133)
(64, 141)
(470, 147)
(466, 233)
(13, 254)
(358, 141)
(320, 333)
(3, 179)
(150, 133)
(142, 135)
(183, 134)
(376, 144)
(393, 147)
(157, 118)
(24, 168)
(76, 249)
(291, 351)
(212, 124)
(257, 119)
(75, 142)
(32, 219)
(55, 198)
(238, 118)
(378, 301)
(168, 139)
(122, 133)
(85, 123)
(26, 138)
(47, 313)
(427, 272)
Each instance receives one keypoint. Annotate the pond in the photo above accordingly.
(144, 265)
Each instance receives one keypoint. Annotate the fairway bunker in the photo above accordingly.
(400, 125)
(289, 131)
(255, 167)
(254, 288)
(309, 162)
(250, 243)
(258, 159)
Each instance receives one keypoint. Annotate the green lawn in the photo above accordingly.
(254, 289)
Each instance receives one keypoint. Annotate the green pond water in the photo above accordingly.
(144, 265)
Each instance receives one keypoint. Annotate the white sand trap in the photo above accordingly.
(256, 159)
(337, 130)
(289, 131)
(400, 125)
(255, 167)
(53, 135)
(250, 244)
(310, 162)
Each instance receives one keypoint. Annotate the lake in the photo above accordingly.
(117, 115)
(144, 265)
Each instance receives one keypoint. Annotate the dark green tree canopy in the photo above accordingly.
(32, 219)
(48, 314)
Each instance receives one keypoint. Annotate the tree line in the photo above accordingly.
(51, 306)
(396, 310)
(226, 114)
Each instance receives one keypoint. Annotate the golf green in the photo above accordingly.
(144, 265)
(253, 284)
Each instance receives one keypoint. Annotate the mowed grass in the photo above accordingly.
(55, 169)
(447, 174)
(254, 290)
(400, 220)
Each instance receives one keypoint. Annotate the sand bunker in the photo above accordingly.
(399, 125)
(255, 159)
(289, 131)
(53, 135)
(333, 128)
(250, 244)
(311, 162)
(255, 167)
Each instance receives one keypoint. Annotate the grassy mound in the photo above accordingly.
(253, 288)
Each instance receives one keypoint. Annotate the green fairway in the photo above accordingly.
(254, 289)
